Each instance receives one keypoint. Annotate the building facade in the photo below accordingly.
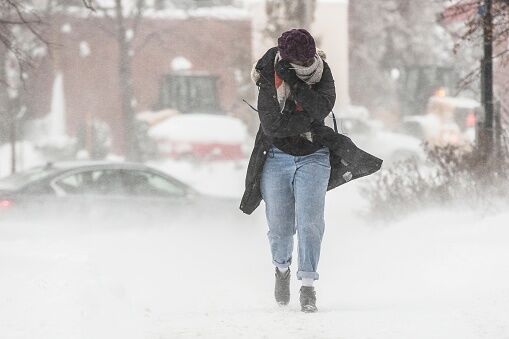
(190, 63)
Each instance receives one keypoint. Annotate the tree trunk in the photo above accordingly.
(13, 137)
(487, 80)
(4, 97)
(126, 86)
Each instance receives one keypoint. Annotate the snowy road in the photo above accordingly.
(434, 275)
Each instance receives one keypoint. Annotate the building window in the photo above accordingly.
(189, 93)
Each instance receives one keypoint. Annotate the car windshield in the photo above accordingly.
(19, 180)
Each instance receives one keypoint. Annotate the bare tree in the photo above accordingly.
(285, 14)
(473, 12)
(19, 34)
(392, 41)
(21, 38)
(487, 28)
(17, 25)
(126, 22)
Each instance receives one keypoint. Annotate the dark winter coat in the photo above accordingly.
(347, 161)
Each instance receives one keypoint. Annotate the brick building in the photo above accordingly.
(204, 59)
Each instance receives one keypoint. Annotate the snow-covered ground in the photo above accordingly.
(437, 274)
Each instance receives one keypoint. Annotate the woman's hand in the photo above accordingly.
(286, 72)
(277, 123)
(290, 107)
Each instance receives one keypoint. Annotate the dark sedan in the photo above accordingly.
(106, 191)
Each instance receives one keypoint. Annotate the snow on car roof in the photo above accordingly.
(201, 127)
(456, 101)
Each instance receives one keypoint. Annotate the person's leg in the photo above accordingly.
(276, 184)
(311, 180)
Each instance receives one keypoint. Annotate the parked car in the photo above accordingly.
(106, 190)
(201, 136)
(369, 134)
(449, 120)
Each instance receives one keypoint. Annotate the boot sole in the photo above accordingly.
(283, 302)
(309, 309)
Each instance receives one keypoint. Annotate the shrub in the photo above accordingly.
(452, 176)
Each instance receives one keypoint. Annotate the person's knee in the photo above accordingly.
(311, 230)
(281, 230)
(313, 216)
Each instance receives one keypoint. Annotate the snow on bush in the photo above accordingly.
(454, 177)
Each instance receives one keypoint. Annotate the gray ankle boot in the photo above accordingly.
(282, 288)
(308, 299)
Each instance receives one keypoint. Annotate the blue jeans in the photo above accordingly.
(293, 188)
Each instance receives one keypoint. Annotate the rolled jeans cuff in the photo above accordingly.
(284, 265)
(307, 275)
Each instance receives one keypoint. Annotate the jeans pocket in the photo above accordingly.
(323, 157)
(327, 163)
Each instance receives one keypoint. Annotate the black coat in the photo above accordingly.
(347, 161)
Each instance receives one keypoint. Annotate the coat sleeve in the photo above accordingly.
(319, 101)
(276, 124)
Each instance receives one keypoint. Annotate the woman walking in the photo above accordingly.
(296, 158)
(296, 94)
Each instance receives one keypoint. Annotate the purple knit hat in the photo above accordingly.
(296, 44)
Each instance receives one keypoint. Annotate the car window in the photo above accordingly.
(146, 183)
(70, 184)
(103, 182)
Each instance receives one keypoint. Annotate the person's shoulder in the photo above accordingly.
(326, 65)
(321, 53)
(327, 73)
(327, 80)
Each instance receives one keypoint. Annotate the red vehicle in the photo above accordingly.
(201, 136)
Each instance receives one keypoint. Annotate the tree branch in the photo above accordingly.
(140, 6)
(15, 14)
(89, 4)
(18, 22)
